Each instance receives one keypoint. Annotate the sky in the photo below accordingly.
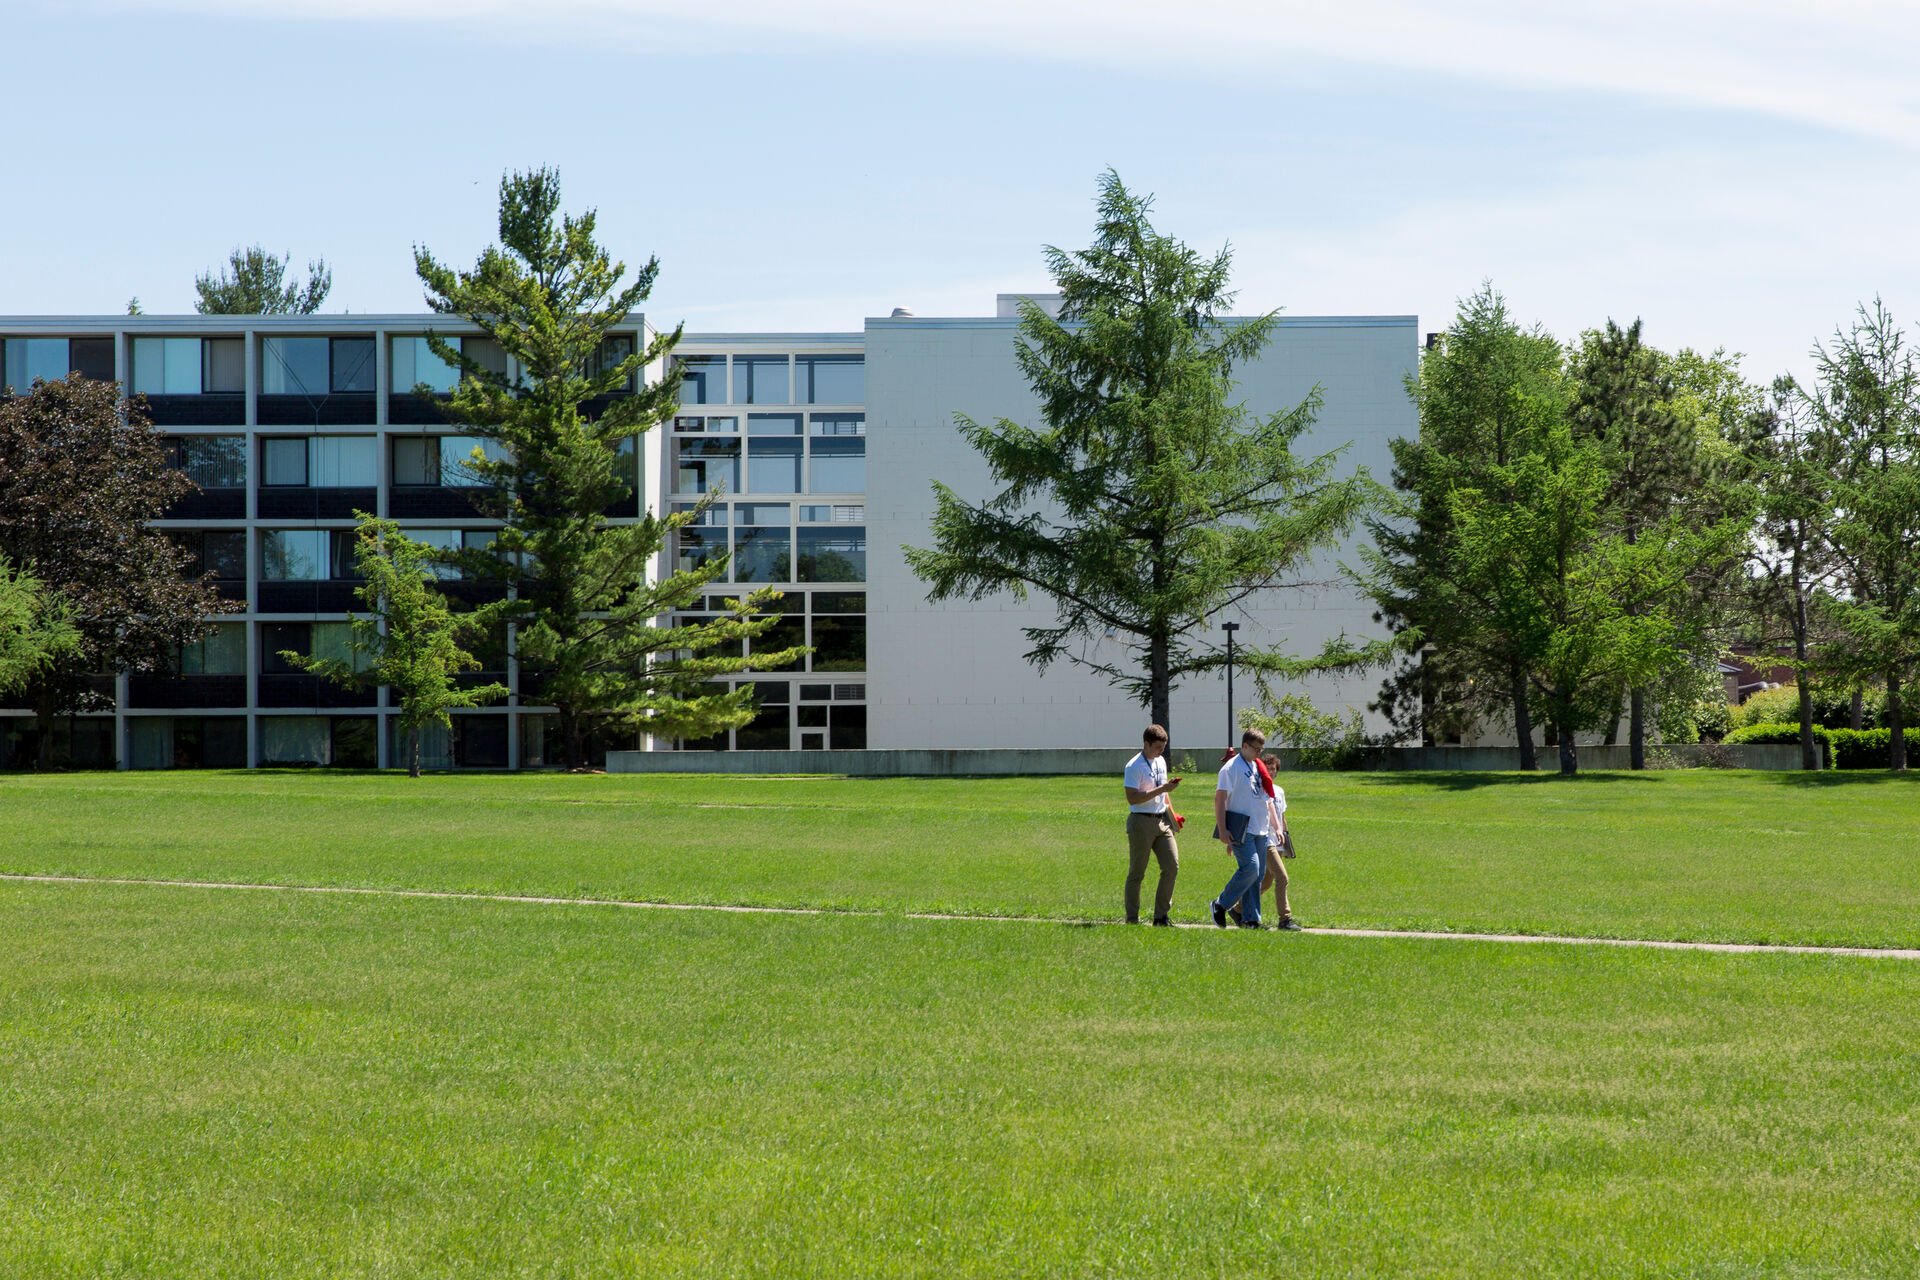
(1737, 173)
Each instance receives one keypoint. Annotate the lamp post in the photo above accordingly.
(1230, 628)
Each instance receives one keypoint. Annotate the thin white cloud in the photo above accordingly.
(1841, 64)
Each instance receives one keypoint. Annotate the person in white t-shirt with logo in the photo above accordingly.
(1151, 824)
(1243, 821)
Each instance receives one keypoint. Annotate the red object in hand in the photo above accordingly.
(1179, 821)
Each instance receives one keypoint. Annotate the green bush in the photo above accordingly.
(1831, 707)
(1712, 719)
(1868, 748)
(1783, 733)
(1325, 740)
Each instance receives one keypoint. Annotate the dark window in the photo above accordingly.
(93, 358)
(212, 462)
(833, 554)
(355, 742)
(353, 364)
(296, 637)
(849, 729)
(611, 352)
(839, 644)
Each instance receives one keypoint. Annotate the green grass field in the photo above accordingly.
(210, 1084)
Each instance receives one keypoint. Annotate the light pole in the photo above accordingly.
(1230, 628)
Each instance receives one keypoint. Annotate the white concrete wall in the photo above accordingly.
(952, 675)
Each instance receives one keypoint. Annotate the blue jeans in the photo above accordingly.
(1244, 887)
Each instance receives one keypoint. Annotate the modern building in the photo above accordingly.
(824, 445)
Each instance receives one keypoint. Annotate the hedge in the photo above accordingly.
(1846, 748)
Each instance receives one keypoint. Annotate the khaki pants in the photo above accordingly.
(1277, 881)
(1151, 833)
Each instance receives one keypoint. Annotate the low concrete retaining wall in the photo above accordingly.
(985, 762)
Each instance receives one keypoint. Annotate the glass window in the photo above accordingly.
(166, 366)
(766, 732)
(839, 644)
(293, 366)
(294, 555)
(760, 380)
(212, 462)
(703, 379)
(334, 641)
(353, 367)
(226, 365)
(839, 465)
(487, 353)
(92, 358)
(773, 466)
(833, 554)
(611, 352)
(703, 465)
(293, 740)
(343, 462)
(285, 460)
(456, 459)
(28, 359)
(831, 379)
(439, 540)
(222, 652)
(789, 632)
(152, 742)
(839, 602)
(694, 547)
(838, 424)
(221, 552)
(416, 460)
(849, 732)
(773, 424)
(414, 363)
(277, 638)
(344, 544)
(762, 542)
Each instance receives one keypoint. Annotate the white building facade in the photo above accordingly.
(823, 446)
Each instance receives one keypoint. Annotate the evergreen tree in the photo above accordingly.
(1481, 392)
(409, 639)
(1866, 402)
(1149, 499)
(254, 282)
(586, 606)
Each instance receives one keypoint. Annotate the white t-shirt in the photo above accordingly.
(1143, 774)
(1240, 779)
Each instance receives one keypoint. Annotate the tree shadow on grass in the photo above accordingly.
(1436, 780)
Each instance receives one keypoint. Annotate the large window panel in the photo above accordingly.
(295, 555)
(763, 542)
(703, 379)
(92, 358)
(294, 740)
(222, 652)
(416, 460)
(344, 462)
(839, 465)
(284, 460)
(831, 379)
(487, 353)
(703, 465)
(293, 366)
(834, 554)
(226, 366)
(212, 462)
(695, 547)
(839, 643)
(773, 465)
(167, 366)
(607, 357)
(29, 358)
(353, 365)
(761, 380)
(277, 638)
(414, 363)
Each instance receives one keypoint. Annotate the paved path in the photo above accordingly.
(1736, 948)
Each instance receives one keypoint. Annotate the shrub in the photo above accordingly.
(1712, 718)
(1831, 707)
(1325, 741)
(1867, 748)
(1783, 733)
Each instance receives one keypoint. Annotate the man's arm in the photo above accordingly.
(1136, 796)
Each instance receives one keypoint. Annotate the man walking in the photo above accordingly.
(1150, 827)
(1240, 822)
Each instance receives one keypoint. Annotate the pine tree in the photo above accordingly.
(1149, 499)
(254, 282)
(585, 607)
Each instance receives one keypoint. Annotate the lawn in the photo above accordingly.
(204, 1084)
(1742, 857)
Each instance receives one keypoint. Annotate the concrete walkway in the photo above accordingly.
(1735, 948)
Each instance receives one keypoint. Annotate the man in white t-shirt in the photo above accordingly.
(1150, 825)
(1241, 822)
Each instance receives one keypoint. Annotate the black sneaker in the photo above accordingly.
(1133, 919)
(1289, 924)
(1249, 924)
(1219, 915)
(1234, 912)
(1161, 922)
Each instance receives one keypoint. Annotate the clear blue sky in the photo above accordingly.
(803, 165)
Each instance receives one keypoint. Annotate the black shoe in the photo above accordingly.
(1234, 911)
(1289, 924)
(1133, 919)
(1219, 915)
(1161, 922)
(1249, 924)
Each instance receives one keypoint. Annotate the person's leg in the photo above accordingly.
(1139, 845)
(1167, 851)
(1277, 877)
(1250, 901)
(1245, 876)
